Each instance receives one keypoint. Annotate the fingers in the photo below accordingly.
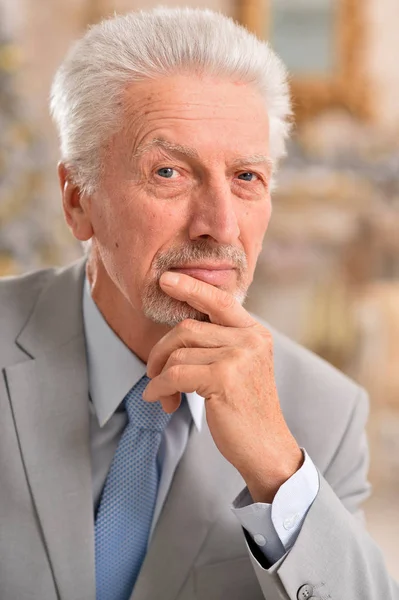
(179, 378)
(171, 403)
(194, 356)
(188, 334)
(221, 307)
(187, 356)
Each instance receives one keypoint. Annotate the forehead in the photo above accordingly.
(206, 113)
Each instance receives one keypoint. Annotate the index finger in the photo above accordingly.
(221, 306)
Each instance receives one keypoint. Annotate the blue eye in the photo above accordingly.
(166, 172)
(247, 176)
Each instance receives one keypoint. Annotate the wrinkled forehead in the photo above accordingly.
(194, 114)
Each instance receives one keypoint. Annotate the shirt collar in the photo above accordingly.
(113, 368)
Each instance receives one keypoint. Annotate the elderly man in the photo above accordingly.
(157, 441)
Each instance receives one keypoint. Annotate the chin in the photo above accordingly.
(171, 312)
(164, 310)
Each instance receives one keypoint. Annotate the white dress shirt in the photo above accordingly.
(113, 370)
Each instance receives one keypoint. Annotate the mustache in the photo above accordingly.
(197, 251)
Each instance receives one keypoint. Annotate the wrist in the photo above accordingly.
(263, 484)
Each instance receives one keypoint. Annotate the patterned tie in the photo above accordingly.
(127, 504)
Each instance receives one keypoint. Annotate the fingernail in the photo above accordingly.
(170, 278)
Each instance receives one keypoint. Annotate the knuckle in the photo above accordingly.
(264, 336)
(250, 339)
(174, 373)
(188, 325)
(226, 370)
(236, 354)
(226, 301)
(268, 346)
(178, 356)
(267, 336)
(196, 287)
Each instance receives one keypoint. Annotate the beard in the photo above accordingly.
(164, 310)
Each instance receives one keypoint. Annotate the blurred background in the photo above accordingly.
(329, 272)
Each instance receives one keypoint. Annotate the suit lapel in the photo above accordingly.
(203, 486)
(49, 398)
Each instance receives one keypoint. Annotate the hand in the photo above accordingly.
(229, 362)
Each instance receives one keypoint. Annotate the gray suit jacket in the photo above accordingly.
(198, 550)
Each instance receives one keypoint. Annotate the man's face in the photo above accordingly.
(185, 187)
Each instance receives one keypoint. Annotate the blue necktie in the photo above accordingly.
(127, 504)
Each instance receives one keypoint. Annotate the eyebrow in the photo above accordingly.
(253, 159)
(162, 143)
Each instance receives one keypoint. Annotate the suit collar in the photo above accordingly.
(56, 317)
(113, 368)
(49, 399)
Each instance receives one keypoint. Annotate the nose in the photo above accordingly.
(214, 216)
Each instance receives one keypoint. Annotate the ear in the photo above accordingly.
(76, 205)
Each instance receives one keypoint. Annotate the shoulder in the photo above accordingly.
(18, 297)
(18, 294)
(319, 402)
(297, 366)
(23, 289)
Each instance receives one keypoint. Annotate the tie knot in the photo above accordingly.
(142, 414)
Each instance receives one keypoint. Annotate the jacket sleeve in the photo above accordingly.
(333, 556)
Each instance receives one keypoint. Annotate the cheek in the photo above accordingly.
(154, 227)
(263, 217)
(133, 227)
(149, 229)
(255, 224)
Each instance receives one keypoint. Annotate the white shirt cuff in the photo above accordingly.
(275, 527)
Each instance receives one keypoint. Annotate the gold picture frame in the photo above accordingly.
(347, 86)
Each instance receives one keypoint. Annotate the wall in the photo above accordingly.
(383, 59)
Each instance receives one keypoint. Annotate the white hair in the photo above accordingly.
(88, 86)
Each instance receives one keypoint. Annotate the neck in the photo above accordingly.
(137, 332)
